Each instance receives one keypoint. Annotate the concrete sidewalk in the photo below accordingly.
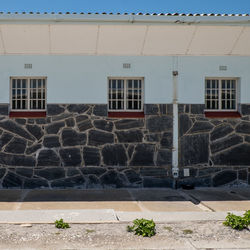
(121, 205)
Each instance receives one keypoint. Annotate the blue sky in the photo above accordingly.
(180, 6)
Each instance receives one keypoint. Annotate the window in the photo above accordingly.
(28, 93)
(125, 94)
(221, 94)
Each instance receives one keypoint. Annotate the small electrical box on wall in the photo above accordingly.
(186, 172)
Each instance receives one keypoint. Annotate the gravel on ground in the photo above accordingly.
(115, 236)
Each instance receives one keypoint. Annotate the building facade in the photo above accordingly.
(103, 100)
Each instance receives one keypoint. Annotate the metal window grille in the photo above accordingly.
(125, 94)
(221, 94)
(28, 94)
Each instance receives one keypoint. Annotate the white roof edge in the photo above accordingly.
(234, 19)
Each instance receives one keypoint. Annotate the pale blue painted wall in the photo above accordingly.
(83, 79)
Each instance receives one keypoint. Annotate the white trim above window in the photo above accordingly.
(28, 93)
(221, 94)
(125, 94)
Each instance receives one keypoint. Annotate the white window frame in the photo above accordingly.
(220, 89)
(28, 78)
(125, 94)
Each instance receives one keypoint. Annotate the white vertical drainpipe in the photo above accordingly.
(175, 151)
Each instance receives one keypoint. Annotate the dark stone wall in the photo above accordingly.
(217, 151)
(79, 146)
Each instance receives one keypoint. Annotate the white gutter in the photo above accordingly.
(158, 19)
(175, 150)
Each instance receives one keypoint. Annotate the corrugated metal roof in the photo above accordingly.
(110, 13)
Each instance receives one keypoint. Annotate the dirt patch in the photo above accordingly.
(115, 236)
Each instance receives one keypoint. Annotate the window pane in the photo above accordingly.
(24, 83)
(13, 83)
(135, 84)
(18, 83)
(18, 104)
(24, 106)
(14, 104)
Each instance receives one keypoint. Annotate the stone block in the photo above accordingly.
(185, 124)
(243, 127)
(242, 174)
(159, 123)
(53, 128)
(72, 171)
(32, 149)
(17, 129)
(35, 183)
(201, 127)
(26, 172)
(73, 182)
(4, 109)
(103, 125)
(41, 121)
(181, 108)
(54, 109)
(247, 138)
(224, 177)
(153, 171)
(60, 117)
(163, 109)
(97, 138)
(35, 130)
(143, 155)
(100, 110)
(197, 108)
(91, 156)
(85, 125)
(70, 122)
(167, 140)
(238, 155)
(70, 156)
(93, 182)
(48, 157)
(225, 143)
(81, 118)
(164, 157)
(129, 124)
(16, 146)
(12, 180)
(93, 170)
(78, 108)
(50, 173)
(205, 181)
(169, 109)
(194, 149)
(155, 137)
(71, 138)
(114, 155)
(113, 179)
(51, 142)
(132, 176)
(17, 160)
(221, 131)
(129, 136)
(4, 139)
(2, 172)
(20, 121)
(245, 109)
(208, 171)
(151, 109)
